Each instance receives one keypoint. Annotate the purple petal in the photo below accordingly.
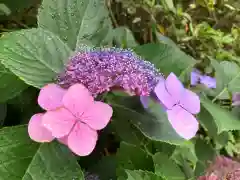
(208, 81)
(184, 123)
(164, 97)
(190, 101)
(195, 77)
(145, 101)
(174, 87)
(236, 99)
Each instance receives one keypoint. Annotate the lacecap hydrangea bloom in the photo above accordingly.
(100, 70)
(72, 115)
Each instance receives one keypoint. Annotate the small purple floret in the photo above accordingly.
(101, 70)
(198, 78)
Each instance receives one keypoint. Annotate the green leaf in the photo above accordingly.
(153, 123)
(169, 169)
(21, 159)
(205, 154)
(76, 22)
(223, 119)
(204, 151)
(169, 5)
(166, 40)
(127, 131)
(228, 78)
(167, 58)
(124, 38)
(222, 140)
(133, 157)
(4, 10)
(34, 55)
(11, 85)
(142, 175)
(207, 122)
(16, 5)
(105, 168)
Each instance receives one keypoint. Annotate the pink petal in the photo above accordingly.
(82, 139)
(77, 99)
(36, 131)
(98, 115)
(184, 123)
(59, 122)
(63, 140)
(174, 87)
(50, 97)
(166, 99)
(190, 101)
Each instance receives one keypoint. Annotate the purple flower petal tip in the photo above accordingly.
(208, 81)
(145, 101)
(195, 77)
(198, 78)
(236, 99)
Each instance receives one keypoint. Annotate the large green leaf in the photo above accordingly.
(34, 55)
(223, 119)
(142, 175)
(11, 85)
(21, 159)
(133, 157)
(205, 154)
(167, 58)
(169, 169)
(153, 122)
(76, 21)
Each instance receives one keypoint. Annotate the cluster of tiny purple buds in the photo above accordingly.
(102, 70)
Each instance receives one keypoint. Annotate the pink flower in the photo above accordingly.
(73, 117)
(210, 177)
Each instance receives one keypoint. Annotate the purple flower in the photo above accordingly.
(197, 78)
(180, 104)
(101, 70)
(236, 99)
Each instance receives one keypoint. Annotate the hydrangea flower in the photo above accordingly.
(198, 78)
(223, 168)
(73, 117)
(210, 177)
(101, 70)
(181, 105)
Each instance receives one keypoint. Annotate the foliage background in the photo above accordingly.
(163, 32)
